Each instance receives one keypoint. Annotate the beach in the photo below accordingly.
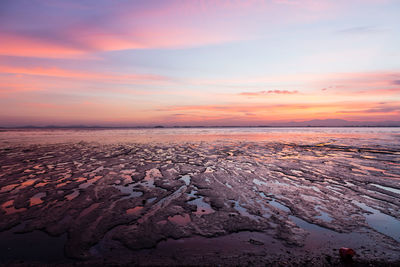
(200, 196)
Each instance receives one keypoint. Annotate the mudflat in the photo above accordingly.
(225, 200)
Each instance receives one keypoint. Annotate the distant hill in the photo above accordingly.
(337, 123)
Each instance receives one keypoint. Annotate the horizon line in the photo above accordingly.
(196, 126)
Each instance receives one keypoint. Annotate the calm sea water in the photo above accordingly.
(386, 137)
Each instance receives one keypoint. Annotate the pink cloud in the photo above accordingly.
(86, 75)
(263, 93)
(132, 25)
(19, 45)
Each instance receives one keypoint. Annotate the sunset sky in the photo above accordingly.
(227, 62)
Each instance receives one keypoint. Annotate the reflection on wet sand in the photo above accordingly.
(37, 199)
(273, 195)
(134, 211)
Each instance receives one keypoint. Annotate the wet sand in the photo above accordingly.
(229, 201)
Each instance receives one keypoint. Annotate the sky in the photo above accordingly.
(199, 62)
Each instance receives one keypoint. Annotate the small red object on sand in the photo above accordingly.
(346, 253)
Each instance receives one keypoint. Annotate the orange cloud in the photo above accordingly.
(281, 112)
(82, 75)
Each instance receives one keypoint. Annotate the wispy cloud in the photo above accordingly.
(361, 30)
(269, 92)
(86, 75)
(14, 44)
(383, 108)
(396, 82)
(279, 107)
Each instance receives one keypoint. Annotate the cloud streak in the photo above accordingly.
(360, 30)
(269, 92)
(85, 75)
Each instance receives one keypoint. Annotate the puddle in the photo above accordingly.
(129, 190)
(128, 171)
(186, 179)
(324, 216)
(179, 219)
(228, 185)
(202, 207)
(231, 244)
(34, 246)
(89, 182)
(258, 182)
(62, 184)
(262, 194)
(381, 222)
(40, 184)
(266, 210)
(151, 200)
(375, 193)
(126, 179)
(287, 184)
(278, 205)
(27, 183)
(88, 210)
(298, 172)
(72, 195)
(149, 178)
(9, 208)
(37, 199)
(348, 184)
(8, 188)
(370, 168)
(244, 212)
(80, 179)
(308, 226)
(316, 189)
(391, 189)
(192, 194)
(163, 203)
(99, 169)
(134, 211)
